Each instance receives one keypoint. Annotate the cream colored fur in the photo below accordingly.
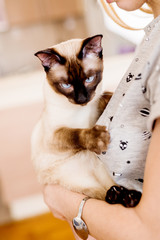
(82, 172)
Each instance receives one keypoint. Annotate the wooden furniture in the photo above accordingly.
(43, 227)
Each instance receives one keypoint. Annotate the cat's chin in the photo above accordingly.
(75, 103)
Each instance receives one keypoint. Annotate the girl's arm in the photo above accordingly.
(115, 222)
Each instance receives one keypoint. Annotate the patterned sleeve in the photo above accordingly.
(154, 97)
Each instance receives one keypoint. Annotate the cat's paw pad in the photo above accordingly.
(97, 139)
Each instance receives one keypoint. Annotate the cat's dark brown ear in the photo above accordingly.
(91, 46)
(49, 57)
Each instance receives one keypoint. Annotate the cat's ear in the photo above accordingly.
(49, 57)
(91, 46)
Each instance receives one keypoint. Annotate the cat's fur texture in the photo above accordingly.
(65, 139)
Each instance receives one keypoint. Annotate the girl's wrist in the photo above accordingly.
(62, 201)
(73, 203)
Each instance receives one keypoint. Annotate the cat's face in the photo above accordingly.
(74, 68)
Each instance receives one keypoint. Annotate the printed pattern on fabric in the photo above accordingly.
(130, 115)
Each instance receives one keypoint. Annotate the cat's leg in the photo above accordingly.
(103, 101)
(94, 139)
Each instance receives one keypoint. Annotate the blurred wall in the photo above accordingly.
(34, 25)
(37, 24)
(113, 43)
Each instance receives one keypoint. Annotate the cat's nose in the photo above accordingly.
(82, 99)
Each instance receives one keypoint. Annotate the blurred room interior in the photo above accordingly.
(27, 26)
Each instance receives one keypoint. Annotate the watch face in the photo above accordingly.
(80, 227)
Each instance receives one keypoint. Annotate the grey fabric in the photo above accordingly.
(130, 115)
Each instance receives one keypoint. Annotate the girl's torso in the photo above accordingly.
(128, 117)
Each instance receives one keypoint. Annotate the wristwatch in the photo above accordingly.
(79, 225)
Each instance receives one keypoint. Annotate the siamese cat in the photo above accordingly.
(66, 140)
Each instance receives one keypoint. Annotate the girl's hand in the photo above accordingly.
(64, 204)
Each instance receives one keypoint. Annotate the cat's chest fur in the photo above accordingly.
(82, 117)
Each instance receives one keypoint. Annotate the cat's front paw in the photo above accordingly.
(97, 139)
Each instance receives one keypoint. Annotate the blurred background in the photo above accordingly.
(27, 26)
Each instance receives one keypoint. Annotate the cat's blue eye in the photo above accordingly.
(66, 85)
(90, 79)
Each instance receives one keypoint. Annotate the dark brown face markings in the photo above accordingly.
(74, 76)
(80, 91)
(83, 91)
(48, 57)
(91, 45)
